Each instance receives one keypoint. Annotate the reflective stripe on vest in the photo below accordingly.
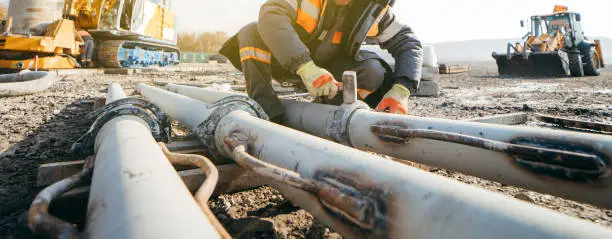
(337, 39)
(309, 13)
(254, 53)
(374, 29)
(363, 93)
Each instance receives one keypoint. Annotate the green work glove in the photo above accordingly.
(395, 100)
(318, 81)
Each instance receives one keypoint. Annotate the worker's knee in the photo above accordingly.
(371, 75)
(248, 33)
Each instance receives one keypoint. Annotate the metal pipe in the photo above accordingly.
(357, 127)
(202, 94)
(395, 200)
(208, 186)
(571, 123)
(135, 191)
(114, 93)
(497, 166)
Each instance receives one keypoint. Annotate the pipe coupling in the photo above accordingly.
(221, 108)
(154, 117)
(338, 128)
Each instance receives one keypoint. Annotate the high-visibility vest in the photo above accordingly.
(310, 11)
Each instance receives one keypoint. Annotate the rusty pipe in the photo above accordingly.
(356, 210)
(395, 199)
(353, 126)
(39, 219)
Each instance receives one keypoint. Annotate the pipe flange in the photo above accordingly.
(338, 128)
(156, 119)
(129, 101)
(206, 130)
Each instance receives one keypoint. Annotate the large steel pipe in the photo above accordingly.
(492, 165)
(395, 200)
(135, 191)
(360, 132)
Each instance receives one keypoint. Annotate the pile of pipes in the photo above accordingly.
(316, 161)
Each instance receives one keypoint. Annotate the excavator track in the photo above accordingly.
(135, 54)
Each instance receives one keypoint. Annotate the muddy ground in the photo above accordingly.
(40, 128)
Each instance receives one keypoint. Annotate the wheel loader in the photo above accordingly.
(554, 46)
(42, 34)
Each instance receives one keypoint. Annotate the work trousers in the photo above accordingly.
(260, 67)
(88, 51)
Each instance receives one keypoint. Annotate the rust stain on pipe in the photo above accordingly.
(351, 198)
(546, 157)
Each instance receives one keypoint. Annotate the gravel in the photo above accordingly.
(40, 128)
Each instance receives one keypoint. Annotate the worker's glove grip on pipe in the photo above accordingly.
(395, 100)
(318, 81)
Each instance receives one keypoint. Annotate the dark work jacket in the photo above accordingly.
(292, 45)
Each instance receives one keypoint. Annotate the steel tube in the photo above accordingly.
(114, 93)
(316, 119)
(189, 111)
(416, 203)
(482, 163)
(135, 191)
(202, 94)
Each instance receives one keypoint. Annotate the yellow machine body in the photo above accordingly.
(124, 30)
(554, 46)
(53, 50)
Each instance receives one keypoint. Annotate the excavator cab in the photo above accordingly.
(554, 46)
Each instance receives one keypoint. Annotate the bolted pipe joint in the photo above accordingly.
(154, 117)
(338, 128)
(206, 130)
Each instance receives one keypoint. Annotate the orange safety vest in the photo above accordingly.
(310, 11)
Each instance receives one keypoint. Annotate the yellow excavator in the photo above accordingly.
(42, 34)
(554, 46)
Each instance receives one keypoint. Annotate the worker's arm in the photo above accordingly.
(277, 31)
(399, 40)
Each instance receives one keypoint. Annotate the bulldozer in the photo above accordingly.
(554, 46)
(42, 34)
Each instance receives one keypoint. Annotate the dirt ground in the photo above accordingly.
(40, 128)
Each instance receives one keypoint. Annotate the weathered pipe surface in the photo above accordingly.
(394, 200)
(594, 188)
(132, 179)
(584, 175)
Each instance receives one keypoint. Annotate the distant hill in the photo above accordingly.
(480, 50)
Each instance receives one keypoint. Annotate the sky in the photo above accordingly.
(433, 21)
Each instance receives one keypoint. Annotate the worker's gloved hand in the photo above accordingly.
(318, 81)
(395, 100)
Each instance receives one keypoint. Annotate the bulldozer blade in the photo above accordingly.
(533, 64)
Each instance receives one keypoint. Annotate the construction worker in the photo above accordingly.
(316, 41)
(88, 48)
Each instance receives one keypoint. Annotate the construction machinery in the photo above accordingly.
(554, 46)
(42, 34)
